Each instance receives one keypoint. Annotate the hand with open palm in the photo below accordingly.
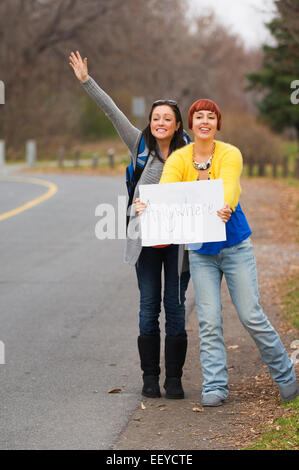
(79, 66)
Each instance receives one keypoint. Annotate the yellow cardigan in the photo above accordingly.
(227, 165)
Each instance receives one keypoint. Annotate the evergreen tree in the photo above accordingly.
(280, 69)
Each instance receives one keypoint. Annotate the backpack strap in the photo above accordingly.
(143, 153)
(186, 137)
(134, 172)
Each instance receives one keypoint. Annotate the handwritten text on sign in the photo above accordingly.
(182, 212)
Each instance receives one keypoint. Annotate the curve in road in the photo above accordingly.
(52, 189)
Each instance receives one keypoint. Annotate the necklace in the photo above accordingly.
(203, 165)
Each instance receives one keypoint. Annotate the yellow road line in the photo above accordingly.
(52, 190)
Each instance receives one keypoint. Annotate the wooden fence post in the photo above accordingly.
(250, 166)
(111, 153)
(297, 168)
(285, 166)
(261, 165)
(61, 153)
(274, 167)
(95, 161)
(77, 158)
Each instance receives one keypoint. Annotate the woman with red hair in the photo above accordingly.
(206, 159)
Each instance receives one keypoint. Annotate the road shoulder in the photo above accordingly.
(253, 399)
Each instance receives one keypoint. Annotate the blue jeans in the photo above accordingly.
(237, 263)
(149, 270)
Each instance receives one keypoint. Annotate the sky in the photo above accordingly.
(244, 17)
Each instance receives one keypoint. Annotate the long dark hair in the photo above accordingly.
(178, 138)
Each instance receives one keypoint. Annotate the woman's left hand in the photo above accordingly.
(225, 213)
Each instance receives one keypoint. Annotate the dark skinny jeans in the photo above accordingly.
(149, 275)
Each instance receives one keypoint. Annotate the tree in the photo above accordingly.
(142, 48)
(280, 68)
(34, 35)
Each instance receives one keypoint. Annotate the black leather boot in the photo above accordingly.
(175, 354)
(149, 351)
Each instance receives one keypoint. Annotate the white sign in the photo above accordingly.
(182, 213)
(2, 153)
(2, 352)
(31, 152)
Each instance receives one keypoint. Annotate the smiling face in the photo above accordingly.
(163, 122)
(204, 124)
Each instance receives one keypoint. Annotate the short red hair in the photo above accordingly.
(206, 105)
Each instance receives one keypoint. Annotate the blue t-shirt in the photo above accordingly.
(237, 230)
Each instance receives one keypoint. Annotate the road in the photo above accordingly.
(69, 319)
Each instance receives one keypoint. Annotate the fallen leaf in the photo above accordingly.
(115, 390)
(198, 410)
(142, 406)
(235, 346)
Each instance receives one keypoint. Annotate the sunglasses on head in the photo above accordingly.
(172, 102)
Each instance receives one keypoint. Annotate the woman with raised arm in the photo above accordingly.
(163, 135)
(209, 158)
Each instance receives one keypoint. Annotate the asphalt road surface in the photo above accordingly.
(68, 319)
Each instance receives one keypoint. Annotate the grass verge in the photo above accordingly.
(283, 434)
(291, 301)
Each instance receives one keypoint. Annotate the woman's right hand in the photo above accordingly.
(225, 213)
(79, 66)
(139, 206)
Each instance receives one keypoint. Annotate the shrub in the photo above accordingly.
(93, 122)
(253, 138)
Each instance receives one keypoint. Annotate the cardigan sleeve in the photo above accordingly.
(173, 169)
(230, 172)
(127, 132)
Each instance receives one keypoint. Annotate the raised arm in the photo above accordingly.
(127, 132)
